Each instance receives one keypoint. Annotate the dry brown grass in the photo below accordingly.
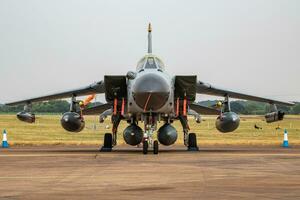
(47, 131)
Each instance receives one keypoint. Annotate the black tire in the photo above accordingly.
(107, 140)
(145, 147)
(155, 147)
(192, 140)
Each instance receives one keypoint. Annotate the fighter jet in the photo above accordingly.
(151, 97)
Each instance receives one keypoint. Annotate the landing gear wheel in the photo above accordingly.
(107, 147)
(193, 142)
(145, 147)
(155, 147)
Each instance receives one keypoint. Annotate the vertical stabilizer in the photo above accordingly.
(149, 38)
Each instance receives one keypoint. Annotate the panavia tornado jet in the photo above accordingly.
(149, 95)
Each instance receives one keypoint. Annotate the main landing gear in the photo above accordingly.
(190, 139)
(192, 142)
(107, 146)
(110, 140)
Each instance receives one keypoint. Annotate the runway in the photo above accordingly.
(125, 173)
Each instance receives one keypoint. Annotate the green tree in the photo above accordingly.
(238, 107)
(296, 109)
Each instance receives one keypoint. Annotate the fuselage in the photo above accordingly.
(150, 88)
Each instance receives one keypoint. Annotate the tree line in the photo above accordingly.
(240, 107)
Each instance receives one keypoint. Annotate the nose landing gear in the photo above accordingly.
(155, 147)
(146, 146)
(148, 140)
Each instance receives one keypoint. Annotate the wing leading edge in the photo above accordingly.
(97, 87)
(205, 88)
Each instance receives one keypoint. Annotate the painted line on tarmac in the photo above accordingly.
(23, 177)
(44, 177)
(45, 155)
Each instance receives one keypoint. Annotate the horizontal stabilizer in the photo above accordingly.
(204, 110)
(96, 110)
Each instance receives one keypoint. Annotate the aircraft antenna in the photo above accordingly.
(149, 38)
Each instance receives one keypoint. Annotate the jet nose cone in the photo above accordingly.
(151, 92)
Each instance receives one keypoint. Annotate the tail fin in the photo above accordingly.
(149, 38)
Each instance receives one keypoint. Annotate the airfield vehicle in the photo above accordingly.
(149, 95)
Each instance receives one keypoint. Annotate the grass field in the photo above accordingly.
(48, 131)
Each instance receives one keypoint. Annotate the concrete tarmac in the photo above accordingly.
(125, 173)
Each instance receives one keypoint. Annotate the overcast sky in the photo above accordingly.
(249, 46)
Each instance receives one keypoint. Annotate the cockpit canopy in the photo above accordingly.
(150, 62)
